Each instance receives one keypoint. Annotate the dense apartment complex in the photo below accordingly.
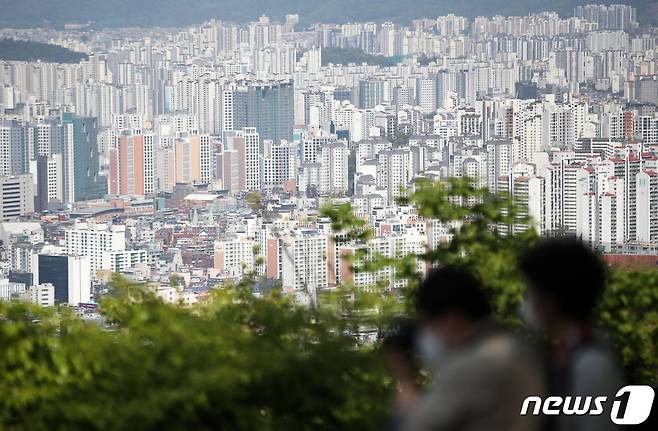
(203, 154)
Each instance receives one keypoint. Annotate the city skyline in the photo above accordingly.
(557, 112)
(328, 215)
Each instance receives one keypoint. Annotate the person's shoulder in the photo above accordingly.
(499, 348)
(494, 349)
(499, 342)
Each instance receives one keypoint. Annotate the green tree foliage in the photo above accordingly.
(629, 312)
(480, 224)
(401, 140)
(477, 218)
(354, 55)
(254, 201)
(22, 50)
(242, 362)
(425, 60)
(236, 362)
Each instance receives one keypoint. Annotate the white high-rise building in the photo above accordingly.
(387, 39)
(611, 216)
(587, 220)
(55, 186)
(500, 155)
(333, 172)
(426, 94)
(528, 191)
(390, 244)
(252, 158)
(558, 126)
(235, 257)
(68, 161)
(647, 207)
(577, 202)
(94, 240)
(304, 264)
(51, 174)
(279, 163)
(530, 141)
(394, 171)
(14, 148)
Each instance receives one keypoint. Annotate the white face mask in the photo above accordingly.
(529, 315)
(430, 349)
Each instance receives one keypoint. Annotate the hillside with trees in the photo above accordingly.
(22, 50)
(346, 56)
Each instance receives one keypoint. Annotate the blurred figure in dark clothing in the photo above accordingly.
(565, 281)
(399, 349)
(481, 374)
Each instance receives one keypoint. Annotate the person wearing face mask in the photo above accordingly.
(480, 373)
(565, 279)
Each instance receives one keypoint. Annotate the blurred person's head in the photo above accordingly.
(565, 280)
(450, 303)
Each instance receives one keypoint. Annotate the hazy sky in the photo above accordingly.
(176, 12)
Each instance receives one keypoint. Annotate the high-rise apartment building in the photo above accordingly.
(647, 207)
(240, 161)
(14, 155)
(192, 155)
(426, 94)
(304, 268)
(266, 106)
(50, 184)
(394, 171)
(235, 257)
(131, 166)
(280, 163)
(333, 173)
(88, 183)
(371, 92)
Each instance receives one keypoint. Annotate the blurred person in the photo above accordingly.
(401, 360)
(565, 280)
(480, 373)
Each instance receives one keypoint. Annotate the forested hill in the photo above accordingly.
(22, 50)
(352, 55)
(30, 13)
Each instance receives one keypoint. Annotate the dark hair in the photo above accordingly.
(452, 288)
(401, 337)
(568, 271)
